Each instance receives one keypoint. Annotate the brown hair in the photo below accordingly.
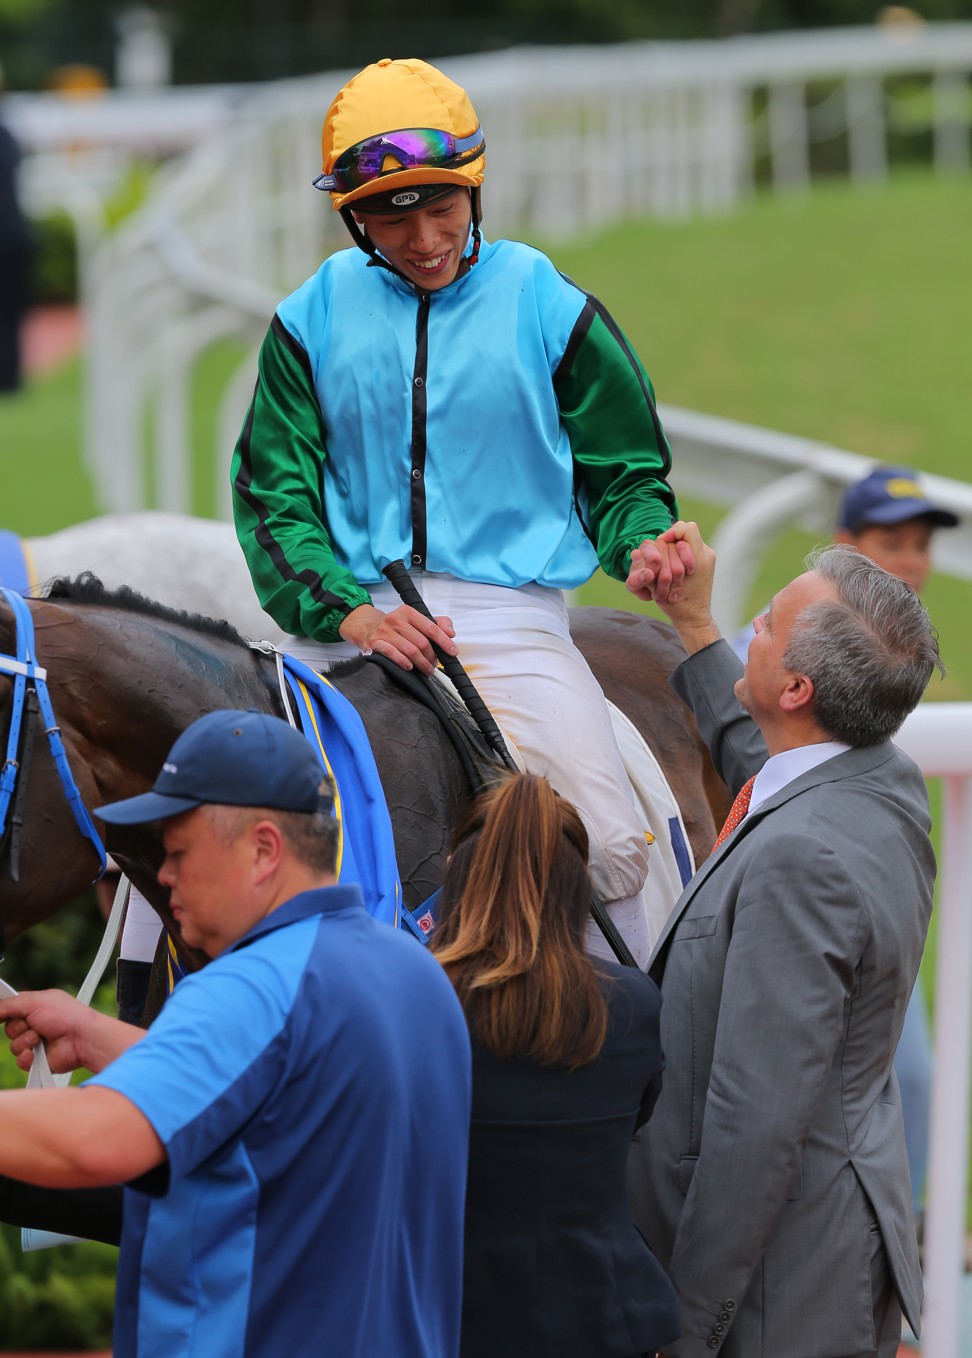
(514, 906)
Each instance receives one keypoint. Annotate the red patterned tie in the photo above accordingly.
(736, 812)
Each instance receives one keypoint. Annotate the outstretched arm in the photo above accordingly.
(705, 681)
(75, 1138)
(71, 1138)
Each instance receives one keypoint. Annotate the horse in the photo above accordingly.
(177, 559)
(126, 676)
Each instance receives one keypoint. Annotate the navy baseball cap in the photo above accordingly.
(890, 495)
(231, 758)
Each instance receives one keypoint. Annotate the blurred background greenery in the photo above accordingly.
(270, 39)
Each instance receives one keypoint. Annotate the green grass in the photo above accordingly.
(45, 484)
(840, 316)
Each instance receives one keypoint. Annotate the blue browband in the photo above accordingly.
(28, 676)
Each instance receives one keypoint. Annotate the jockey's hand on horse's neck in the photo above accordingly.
(404, 635)
(691, 609)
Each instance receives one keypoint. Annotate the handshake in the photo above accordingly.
(675, 571)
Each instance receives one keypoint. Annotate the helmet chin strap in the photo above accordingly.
(361, 240)
(476, 200)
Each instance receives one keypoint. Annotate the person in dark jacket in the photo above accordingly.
(14, 261)
(566, 1064)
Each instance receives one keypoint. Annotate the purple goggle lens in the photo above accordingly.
(411, 146)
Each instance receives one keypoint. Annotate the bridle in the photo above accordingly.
(30, 701)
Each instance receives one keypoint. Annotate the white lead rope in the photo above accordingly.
(108, 940)
(40, 1075)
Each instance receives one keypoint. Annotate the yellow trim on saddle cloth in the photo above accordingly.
(361, 807)
(29, 565)
(338, 812)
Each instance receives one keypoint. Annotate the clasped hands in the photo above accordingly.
(675, 572)
(659, 568)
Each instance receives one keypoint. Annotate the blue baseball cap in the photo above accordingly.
(890, 495)
(231, 758)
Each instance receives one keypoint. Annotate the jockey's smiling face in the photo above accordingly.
(210, 879)
(427, 243)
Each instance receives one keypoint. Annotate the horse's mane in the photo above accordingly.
(88, 589)
(342, 668)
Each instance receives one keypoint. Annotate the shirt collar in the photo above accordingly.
(325, 900)
(784, 768)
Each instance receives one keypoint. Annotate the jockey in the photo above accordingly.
(460, 404)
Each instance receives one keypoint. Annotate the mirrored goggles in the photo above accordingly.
(411, 147)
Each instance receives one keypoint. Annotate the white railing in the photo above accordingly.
(777, 481)
(939, 738)
(578, 137)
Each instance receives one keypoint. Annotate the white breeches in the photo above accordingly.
(516, 647)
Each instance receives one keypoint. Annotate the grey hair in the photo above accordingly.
(312, 836)
(869, 653)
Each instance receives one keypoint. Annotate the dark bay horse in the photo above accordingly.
(126, 676)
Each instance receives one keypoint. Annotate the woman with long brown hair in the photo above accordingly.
(566, 1064)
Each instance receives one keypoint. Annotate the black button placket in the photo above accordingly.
(419, 417)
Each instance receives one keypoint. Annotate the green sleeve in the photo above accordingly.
(277, 497)
(621, 456)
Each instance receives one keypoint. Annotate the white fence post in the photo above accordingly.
(951, 104)
(939, 738)
(789, 136)
(866, 132)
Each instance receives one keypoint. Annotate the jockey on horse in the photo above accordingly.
(460, 404)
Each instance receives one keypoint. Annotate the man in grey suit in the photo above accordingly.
(772, 1180)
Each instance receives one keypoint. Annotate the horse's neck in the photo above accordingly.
(133, 684)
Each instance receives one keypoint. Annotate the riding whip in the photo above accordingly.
(397, 575)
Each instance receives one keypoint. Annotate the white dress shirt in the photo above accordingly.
(781, 769)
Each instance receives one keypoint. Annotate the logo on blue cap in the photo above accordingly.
(890, 495)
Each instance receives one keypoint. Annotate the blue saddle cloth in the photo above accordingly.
(366, 850)
(366, 847)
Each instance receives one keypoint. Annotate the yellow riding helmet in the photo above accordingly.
(396, 125)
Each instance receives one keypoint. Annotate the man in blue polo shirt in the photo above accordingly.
(293, 1127)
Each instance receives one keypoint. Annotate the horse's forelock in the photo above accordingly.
(86, 588)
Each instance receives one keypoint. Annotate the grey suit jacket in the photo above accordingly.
(776, 1150)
